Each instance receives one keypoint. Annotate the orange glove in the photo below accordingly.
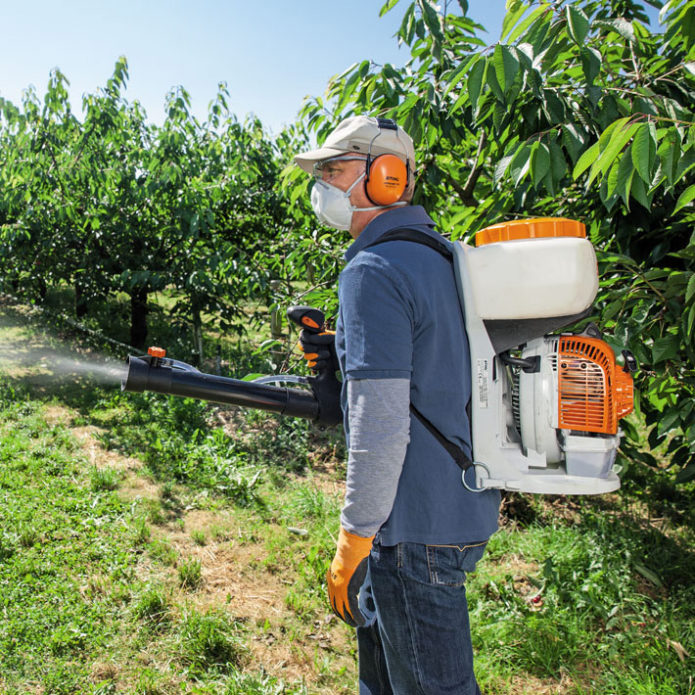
(346, 575)
(318, 349)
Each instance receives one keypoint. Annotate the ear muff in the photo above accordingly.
(386, 179)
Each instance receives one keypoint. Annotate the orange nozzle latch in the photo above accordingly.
(156, 352)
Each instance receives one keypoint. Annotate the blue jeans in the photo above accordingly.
(417, 640)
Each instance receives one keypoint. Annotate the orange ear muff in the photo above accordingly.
(386, 179)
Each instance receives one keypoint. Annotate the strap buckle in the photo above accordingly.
(463, 477)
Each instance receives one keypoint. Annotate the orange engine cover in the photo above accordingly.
(594, 392)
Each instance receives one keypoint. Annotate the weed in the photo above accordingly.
(28, 536)
(219, 533)
(149, 683)
(308, 502)
(7, 546)
(141, 532)
(153, 607)
(103, 480)
(162, 551)
(263, 684)
(199, 537)
(153, 511)
(190, 574)
(211, 641)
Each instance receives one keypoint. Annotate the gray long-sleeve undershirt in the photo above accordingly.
(379, 427)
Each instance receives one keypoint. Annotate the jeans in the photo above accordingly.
(417, 638)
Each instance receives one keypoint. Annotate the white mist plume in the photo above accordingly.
(52, 361)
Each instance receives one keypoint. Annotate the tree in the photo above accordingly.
(117, 204)
(580, 110)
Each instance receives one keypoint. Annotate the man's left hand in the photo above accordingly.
(319, 350)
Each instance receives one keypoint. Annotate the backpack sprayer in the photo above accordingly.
(544, 407)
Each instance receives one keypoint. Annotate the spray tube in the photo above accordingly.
(158, 373)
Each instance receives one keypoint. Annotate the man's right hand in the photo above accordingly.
(346, 575)
(319, 350)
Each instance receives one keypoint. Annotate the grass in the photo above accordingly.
(183, 548)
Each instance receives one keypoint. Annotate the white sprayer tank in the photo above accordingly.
(531, 278)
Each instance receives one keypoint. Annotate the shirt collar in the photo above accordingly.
(405, 216)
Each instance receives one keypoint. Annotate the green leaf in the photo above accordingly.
(690, 290)
(665, 348)
(649, 575)
(621, 26)
(475, 83)
(669, 154)
(670, 420)
(539, 162)
(585, 161)
(520, 163)
(639, 192)
(514, 11)
(687, 473)
(491, 78)
(572, 141)
(431, 17)
(644, 152)
(612, 146)
(461, 70)
(668, 6)
(558, 164)
(625, 174)
(506, 66)
(591, 63)
(684, 198)
(526, 23)
(501, 169)
(690, 67)
(387, 7)
(578, 24)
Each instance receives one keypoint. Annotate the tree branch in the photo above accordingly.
(465, 192)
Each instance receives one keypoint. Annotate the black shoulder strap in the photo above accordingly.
(416, 237)
(456, 452)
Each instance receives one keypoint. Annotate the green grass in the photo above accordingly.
(190, 573)
(53, 541)
(105, 589)
(612, 596)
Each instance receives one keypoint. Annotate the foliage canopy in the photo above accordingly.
(579, 110)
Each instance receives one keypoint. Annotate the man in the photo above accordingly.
(403, 353)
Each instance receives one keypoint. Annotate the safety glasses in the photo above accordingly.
(324, 164)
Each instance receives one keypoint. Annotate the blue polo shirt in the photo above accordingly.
(400, 318)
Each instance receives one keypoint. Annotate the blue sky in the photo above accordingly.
(271, 53)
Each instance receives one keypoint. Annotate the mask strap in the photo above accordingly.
(374, 207)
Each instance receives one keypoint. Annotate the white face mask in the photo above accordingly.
(332, 206)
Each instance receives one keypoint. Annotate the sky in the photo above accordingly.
(271, 54)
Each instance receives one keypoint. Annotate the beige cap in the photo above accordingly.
(362, 135)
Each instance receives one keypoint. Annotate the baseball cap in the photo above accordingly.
(361, 135)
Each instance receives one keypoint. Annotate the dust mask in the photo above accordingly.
(332, 206)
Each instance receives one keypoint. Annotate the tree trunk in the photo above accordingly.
(138, 317)
(80, 303)
(197, 335)
(41, 289)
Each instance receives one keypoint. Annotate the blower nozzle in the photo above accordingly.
(155, 372)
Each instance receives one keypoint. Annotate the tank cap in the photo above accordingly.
(156, 352)
(534, 228)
